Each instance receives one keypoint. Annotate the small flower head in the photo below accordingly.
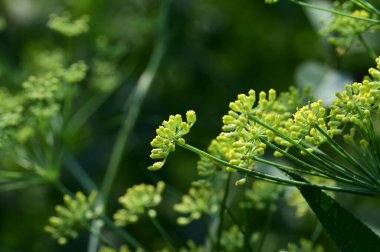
(65, 25)
(342, 30)
(72, 216)
(138, 200)
(198, 201)
(168, 135)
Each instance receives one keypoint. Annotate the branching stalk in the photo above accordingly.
(274, 179)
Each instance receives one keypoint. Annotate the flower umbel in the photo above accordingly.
(138, 200)
(168, 135)
(65, 25)
(77, 213)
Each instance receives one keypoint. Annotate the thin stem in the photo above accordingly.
(311, 6)
(6, 187)
(246, 236)
(345, 154)
(96, 233)
(85, 112)
(288, 168)
(221, 213)
(369, 50)
(374, 144)
(327, 162)
(367, 6)
(62, 188)
(345, 177)
(317, 232)
(273, 179)
(134, 106)
(135, 102)
(123, 234)
(163, 233)
(79, 174)
(209, 238)
(268, 222)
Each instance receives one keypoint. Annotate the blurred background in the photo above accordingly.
(215, 50)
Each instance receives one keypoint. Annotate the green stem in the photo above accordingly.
(246, 236)
(345, 177)
(327, 162)
(142, 87)
(367, 6)
(345, 154)
(317, 232)
(7, 187)
(123, 234)
(268, 222)
(134, 106)
(96, 233)
(79, 174)
(311, 6)
(221, 213)
(273, 179)
(85, 112)
(163, 233)
(369, 50)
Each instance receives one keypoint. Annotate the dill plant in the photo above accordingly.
(272, 147)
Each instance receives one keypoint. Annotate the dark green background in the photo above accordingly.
(216, 50)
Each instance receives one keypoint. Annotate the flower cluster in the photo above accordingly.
(45, 92)
(76, 213)
(232, 239)
(262, 195)
(138, 200)
(198, 201)
(304, 246)
(68, 27)
(242, 134)
(168, 135)
(11, 114)
(357, 102)
(343, 30)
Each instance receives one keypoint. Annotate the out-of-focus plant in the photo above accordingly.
(272, 148)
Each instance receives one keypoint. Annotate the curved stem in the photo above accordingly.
(163, 233)
(244, 233)
(274, 179)
(311, 6)
(268, 222)
(123, 234)
(369, 50)
(79, 174)
(221, 213)
(133, 106)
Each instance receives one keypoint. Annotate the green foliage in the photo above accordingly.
(50, 126)
(348, 232)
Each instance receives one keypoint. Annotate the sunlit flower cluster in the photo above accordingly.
(168, 135)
